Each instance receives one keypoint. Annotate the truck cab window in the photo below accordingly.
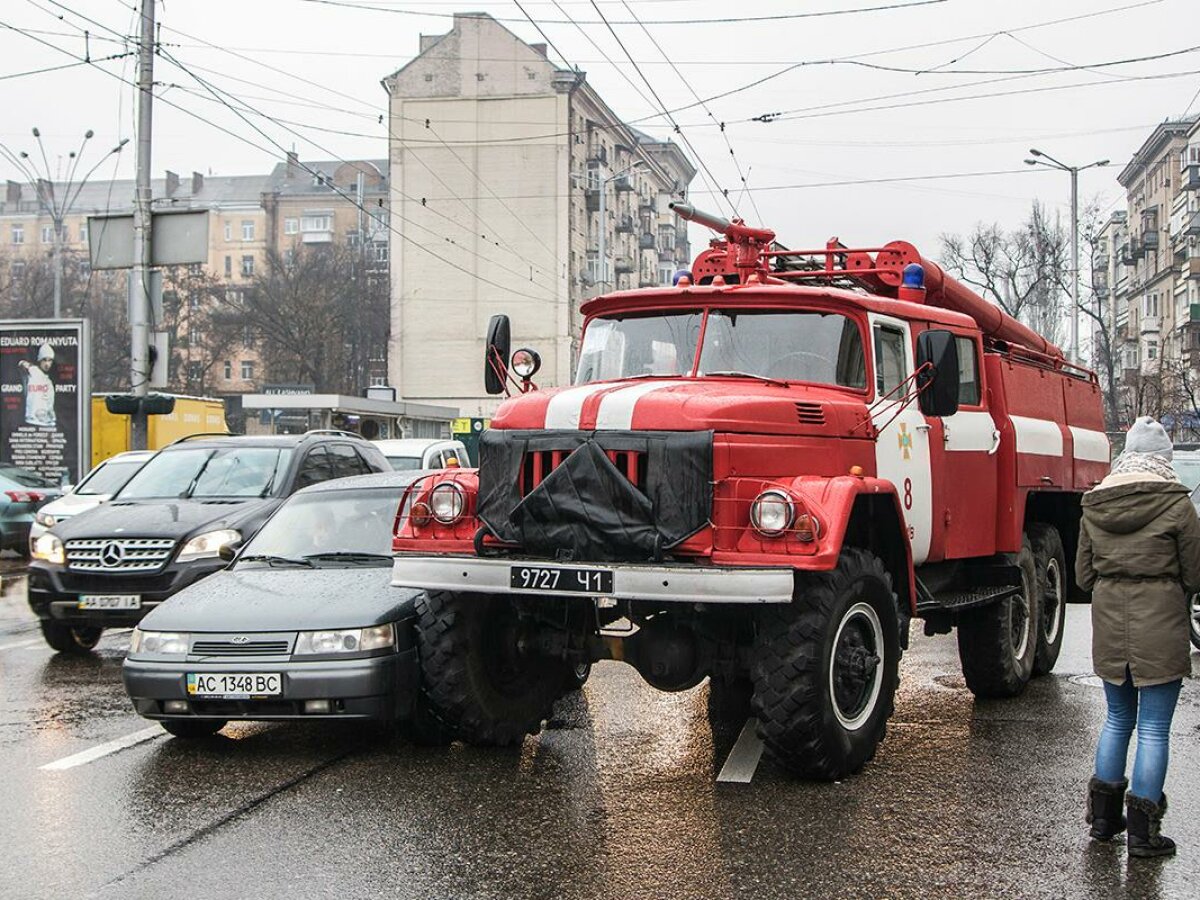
(891, 362)
(968, 373)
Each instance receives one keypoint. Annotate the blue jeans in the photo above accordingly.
(1150, 709)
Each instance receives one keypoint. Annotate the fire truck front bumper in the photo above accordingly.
(620, 581)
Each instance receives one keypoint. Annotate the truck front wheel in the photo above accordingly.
(826, 668)
(481, 679)
(997, 643)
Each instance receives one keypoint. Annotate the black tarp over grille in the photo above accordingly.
(586, 508)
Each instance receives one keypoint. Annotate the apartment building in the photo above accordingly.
(250, 217)
(501, 164)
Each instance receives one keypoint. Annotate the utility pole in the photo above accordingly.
(602, 238)
(1046, 159)
(139, 308)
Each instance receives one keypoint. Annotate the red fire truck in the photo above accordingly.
(761, 476)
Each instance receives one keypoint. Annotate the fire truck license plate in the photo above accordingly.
(558, 578)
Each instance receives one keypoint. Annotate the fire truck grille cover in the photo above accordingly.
(586, 508)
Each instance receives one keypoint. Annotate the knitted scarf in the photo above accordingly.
(1143, 464)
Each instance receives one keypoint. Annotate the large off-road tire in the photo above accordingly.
(826, 668)
(480, 682)
(1050, 561)
(997, 643)
(192, 729)
(76, 640)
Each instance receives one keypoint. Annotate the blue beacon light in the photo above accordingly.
(914, 276)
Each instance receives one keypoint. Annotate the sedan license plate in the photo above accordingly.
(110, 601)
(563, 579)
(233, 685)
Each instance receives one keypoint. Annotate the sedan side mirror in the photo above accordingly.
(937, 365)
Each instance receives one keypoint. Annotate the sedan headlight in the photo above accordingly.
(49, 547)
(46, 520)
(209, 544)
(158, 642)
(345, 640)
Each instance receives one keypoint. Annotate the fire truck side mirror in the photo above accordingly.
(495, 355)
(937, 383)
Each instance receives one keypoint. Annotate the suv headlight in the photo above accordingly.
(158, 642)
(345, 640)
(45, 519)
(209, 544)
(49, 547)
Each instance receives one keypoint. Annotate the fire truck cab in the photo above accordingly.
(761, 476)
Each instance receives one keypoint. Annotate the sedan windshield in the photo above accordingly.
(207, 472)
(787, 345)
(326, 524)
(404, 463)
(109, 477)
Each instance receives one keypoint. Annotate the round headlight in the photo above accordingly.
(771, 513)
(526, 362)
(446, 502)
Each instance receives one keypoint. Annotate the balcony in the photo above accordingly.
(592, 196)
(1150, 241)
(646, 242)
(1191, 178)
(1101, 291)
(1192, 228)
(624, 225)
(623, 183)
(1128, 254)
(1191, 268)
(1149, 325)
(624, 265)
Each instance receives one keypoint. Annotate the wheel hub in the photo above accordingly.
(854, 675)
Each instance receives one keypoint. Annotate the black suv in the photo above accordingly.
(171, 525)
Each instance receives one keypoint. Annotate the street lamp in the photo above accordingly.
(603, 183)
(43, 183)
(1045, 159)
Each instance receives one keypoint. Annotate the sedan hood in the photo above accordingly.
(161, 518)
(261, 598)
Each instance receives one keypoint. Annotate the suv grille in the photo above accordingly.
(540, 463)
(119, 554)
(242, 647)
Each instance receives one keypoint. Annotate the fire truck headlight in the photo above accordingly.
(447, 503)
(771, 513)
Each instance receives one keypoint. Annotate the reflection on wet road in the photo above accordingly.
(617, 798)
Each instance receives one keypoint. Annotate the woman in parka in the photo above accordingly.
(1139, 555)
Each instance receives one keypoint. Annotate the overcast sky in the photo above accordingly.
(841, 122)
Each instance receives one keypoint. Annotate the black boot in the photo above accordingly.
(1145, 820)
(1105, 808)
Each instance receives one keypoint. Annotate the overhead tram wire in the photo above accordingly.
(732, 155)
(724, 20)
(683, 137)
(217, 93)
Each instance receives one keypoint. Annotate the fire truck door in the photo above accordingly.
(966, 465)
(902, 447)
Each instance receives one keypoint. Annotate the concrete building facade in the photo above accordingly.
(499, 161)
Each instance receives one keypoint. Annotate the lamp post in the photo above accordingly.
(41, 179)
(602, 248)
(1045, 159)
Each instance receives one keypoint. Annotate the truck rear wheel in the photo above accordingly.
(1051, 564)
(481, 681)
(997, 643)
(826, 668)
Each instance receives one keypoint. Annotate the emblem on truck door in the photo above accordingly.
(905, 440)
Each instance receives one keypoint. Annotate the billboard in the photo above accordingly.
(45, 389)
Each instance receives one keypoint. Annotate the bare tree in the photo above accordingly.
(203, 320)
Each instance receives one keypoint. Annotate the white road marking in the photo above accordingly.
(743, 758)
(17, 645)
(101, 750)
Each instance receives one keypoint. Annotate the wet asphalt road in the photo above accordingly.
(617, 798)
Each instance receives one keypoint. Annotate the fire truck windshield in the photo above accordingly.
(784, 345)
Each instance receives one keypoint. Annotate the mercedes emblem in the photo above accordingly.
(112, 554)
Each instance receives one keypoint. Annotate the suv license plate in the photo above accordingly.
(110, 601)
(561, 579)
(234, 685)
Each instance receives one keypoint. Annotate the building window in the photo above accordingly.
(18, 268)
(247, 230)
(248, 336)
(229, 231)
(195, 371)
(47, 234)
(193, 302)
(228, 266)
(228, 370)
(83, 235)
(247, 266)
(289, 256)
(378, 381)
(666, 274)
(18, 234)
(1151, 349)
(323, 223)
(379, 252)
(193, 336)
(291, 226)
(247, 369)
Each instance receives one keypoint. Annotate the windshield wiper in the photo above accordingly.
(352, 555)
(734, 374)
(271, 560)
